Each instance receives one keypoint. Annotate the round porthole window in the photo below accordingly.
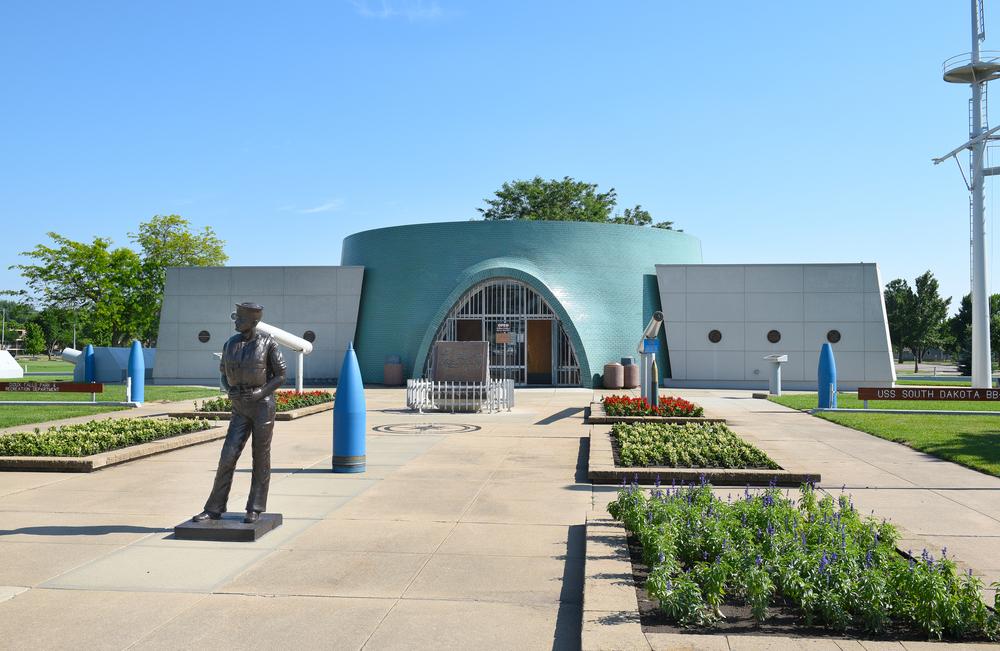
(715, 336)
(204, 336)
(833, 336)
(774, 336)
(309, 336)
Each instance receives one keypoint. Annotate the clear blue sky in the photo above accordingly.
(775, 132)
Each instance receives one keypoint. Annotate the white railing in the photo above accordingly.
(494, 395)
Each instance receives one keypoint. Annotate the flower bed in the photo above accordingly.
(284, 401)
(94, 437)
(838, 569)
(706, 445)
(666, 406)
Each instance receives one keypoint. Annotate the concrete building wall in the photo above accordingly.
(296, 299)
(599, 279)
(801, 302)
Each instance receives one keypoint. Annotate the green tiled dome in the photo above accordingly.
(599, 279)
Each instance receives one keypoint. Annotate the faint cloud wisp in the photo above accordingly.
(412, 9)
(336, 204)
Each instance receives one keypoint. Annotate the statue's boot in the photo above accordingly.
(206, 515)
(252, 517)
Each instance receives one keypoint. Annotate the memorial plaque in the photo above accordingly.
(833, 336)
(461, 361)
(774, 336)
(715, 336)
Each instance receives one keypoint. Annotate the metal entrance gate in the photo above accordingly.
(539, 353)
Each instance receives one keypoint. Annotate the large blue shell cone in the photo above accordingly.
(827, 376)
(89, 371)
(137, 372)
(349, 417)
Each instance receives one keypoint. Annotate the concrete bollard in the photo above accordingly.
(137, 373)
(614, 376)
(826, 374)
(632, 377)
(349, 417)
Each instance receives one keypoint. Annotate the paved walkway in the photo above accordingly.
(465, 532)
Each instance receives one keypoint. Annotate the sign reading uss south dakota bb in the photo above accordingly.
(929, 393)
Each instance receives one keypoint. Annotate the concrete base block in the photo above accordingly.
(229, 528)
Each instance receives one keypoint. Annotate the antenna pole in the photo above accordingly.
(982, 369)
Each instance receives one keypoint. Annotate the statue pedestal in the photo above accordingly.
(230, 528)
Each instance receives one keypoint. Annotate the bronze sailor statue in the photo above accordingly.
(252, 369)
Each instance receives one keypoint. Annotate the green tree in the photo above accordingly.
(34, 341)
(120, 290)
(960, 325)
(57, 327)
(566, 200)
(16, 314)
(916, 316)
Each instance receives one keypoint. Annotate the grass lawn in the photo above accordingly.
(42, 365)
(934, 383)
(14, 415)
(972, 441)
(850, 401)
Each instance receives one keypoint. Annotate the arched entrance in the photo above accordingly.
(539, 351)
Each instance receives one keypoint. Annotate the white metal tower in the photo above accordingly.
(976, 68)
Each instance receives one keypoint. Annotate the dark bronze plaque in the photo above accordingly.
(833, 336)
(461, 361)
(204, 336)
(774, 336)
(715, 336)
(309, 336)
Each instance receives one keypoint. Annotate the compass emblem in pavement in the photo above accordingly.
(432, 428)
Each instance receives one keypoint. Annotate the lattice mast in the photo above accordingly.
(977, 68)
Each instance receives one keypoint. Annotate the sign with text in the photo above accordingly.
(929, 393)
(52, 387)
(461, 361)
(650, 346)
(503, 326)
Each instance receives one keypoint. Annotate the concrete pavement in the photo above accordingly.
(466, 531)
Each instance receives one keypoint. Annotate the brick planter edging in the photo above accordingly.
(601, 469)
(112, 457)
(281, 415)
(598, 416)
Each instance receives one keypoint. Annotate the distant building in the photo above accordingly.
(575, 296)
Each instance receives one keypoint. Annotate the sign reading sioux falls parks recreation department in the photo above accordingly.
(51, 387)
(929, 393)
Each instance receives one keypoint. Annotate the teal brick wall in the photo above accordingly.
(599, 279)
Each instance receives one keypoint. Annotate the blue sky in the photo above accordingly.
(775, 132)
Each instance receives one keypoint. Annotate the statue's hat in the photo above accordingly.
(250, 310)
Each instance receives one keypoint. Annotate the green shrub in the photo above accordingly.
(705, 445)
(284, 401)
(93, 437)
(840, 570)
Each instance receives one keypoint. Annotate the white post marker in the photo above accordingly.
(774, 387)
